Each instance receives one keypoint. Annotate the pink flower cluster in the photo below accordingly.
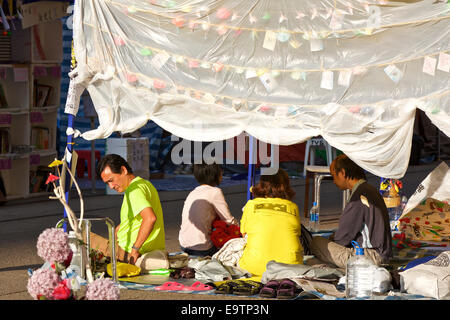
(42, 283)
(53, 245)
(102, 289)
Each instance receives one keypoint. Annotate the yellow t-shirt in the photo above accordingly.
(273, 229)
(140, 194)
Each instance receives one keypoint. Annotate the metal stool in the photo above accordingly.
(86, 228)
(319, 173)
(314, 143)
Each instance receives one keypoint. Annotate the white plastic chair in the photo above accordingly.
(314, 143)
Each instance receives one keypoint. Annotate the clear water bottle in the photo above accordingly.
(76, 263)
(359, 274)
(314, 218)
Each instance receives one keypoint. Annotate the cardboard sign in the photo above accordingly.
(42, 11)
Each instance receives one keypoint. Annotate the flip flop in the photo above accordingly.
(248, 288)
(226, 287)
(171, 286)
(198, 286)
(269, 290)
(287, 289)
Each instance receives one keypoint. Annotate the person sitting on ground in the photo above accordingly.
(365, 219)
(271, 222)
(202, 206)
(141, 227)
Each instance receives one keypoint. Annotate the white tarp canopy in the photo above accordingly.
(283, 71)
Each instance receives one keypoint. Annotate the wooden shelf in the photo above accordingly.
(31, 67)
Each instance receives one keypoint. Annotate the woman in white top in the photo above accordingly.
(201, 207)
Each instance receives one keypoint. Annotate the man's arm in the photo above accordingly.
(350, 223)
(148, 222)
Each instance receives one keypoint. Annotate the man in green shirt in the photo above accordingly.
(141, 227)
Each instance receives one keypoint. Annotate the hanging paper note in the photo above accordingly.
(327, 80)
(336, 21)
(296, 75)
(20, 74)
(250, 74)
(283, 36)
(429, 65)
(316, 45)
(160, 59)
(444, 62)
(270, 40)
(295, 44)
(394, 73)
(344, 78)
(268, 81)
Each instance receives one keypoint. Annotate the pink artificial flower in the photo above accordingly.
(61, 291)
(42, 283)
(53, 245)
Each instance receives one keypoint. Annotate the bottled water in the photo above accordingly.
(76, 263)
(359, 274)
(396, 212)
(314, 218)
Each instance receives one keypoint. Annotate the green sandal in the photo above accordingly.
(226, 287)
(248, 288)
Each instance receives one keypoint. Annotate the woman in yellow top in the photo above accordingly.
(272, 224)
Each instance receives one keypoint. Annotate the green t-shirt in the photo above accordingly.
(140, 194)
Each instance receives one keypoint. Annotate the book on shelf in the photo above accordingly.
(40, 137)
(5, 141)
(38, 178)
(3, 102)
(42, 94)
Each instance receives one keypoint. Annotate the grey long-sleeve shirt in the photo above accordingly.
(365, 220)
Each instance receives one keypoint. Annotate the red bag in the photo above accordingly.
(222, 232)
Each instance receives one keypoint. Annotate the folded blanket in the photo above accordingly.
(231, 252)
(277, 270)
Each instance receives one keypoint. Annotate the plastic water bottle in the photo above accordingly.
(314, 218)
(359, 274)
(76, 263)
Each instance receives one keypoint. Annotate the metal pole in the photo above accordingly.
(69, 150)
(93, 178)
(251, 167)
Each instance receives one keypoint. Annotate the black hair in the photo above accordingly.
(114, 162)
(352, 170)
(208, 173)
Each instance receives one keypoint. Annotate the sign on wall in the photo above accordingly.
(42, 11)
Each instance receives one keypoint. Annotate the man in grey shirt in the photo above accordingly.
(365, 220)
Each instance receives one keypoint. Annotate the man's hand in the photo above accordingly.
(134, 255)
